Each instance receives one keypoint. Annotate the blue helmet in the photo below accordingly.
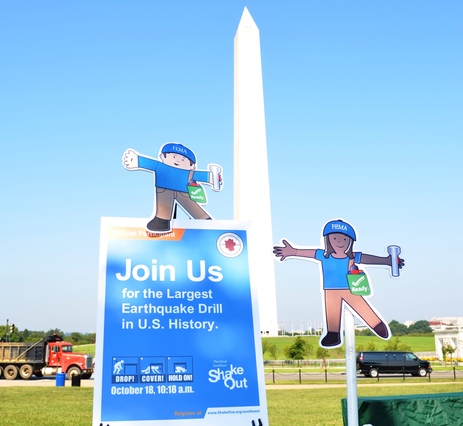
(339, 227)
(177, 148)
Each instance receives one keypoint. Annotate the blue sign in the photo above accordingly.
(178, 334)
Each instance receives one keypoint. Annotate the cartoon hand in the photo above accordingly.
(215, 178)
(401, 262)
(130, 159)
(284, 252)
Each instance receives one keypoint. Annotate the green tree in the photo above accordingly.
(271, 348)
(273, 351)
(90, 338)
(265, 346)
(420, 327)
(447, 349)
(322, 353)
(35, 336)
(398, 329)
(23, 335)
(298, 350)
(75, 338)
(396, 345)
(371, 346)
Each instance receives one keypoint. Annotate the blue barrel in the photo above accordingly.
(60, 379)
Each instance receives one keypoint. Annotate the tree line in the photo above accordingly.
(13, 334)
(398, 329)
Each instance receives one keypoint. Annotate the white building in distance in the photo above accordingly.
(448, 331)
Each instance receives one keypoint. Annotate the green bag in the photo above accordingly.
(195, 190)
(358, 284)
(197, 194)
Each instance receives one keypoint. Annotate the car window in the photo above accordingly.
(375, 357)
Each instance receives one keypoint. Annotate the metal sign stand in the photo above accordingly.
(351, 369)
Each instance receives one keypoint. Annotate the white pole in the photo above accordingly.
(351, 369)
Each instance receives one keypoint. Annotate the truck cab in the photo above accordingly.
(60, 358)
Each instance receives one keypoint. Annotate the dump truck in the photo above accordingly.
(48, 356)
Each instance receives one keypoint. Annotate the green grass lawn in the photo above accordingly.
(46, 406)
(85, 349)
(72, 406)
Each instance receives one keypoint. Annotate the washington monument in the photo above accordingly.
(251, 182)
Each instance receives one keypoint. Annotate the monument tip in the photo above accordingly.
(246, 20)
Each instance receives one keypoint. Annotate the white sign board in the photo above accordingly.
(178, 338)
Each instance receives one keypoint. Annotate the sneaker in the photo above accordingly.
(331, 339)
(158, 225)
(381, 330)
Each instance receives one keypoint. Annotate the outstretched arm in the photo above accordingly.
(369, 259)
(132, 160)
(287, 250)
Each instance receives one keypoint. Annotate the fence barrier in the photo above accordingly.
(301, 376)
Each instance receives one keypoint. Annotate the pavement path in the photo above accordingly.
(51, 381)
(43, 381)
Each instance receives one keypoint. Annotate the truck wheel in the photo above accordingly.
(26, 371)
(73, 371)
(373, 373)
(10, 372)
(422, 372)
(1, 372)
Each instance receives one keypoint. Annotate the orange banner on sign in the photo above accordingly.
(131, 233)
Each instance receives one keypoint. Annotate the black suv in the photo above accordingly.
(373, 363)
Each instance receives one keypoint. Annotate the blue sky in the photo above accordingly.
(364, 104)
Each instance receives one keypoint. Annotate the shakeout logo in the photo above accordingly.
(231, 377)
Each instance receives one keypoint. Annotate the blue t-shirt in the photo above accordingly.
(334, 270)
(169, 177)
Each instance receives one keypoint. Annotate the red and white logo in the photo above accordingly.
(230, 244)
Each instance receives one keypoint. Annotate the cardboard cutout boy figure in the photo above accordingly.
(343, 283)
(176, 181)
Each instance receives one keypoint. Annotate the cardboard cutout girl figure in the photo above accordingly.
(343, 282)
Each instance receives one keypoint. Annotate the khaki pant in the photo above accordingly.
(165, 204)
